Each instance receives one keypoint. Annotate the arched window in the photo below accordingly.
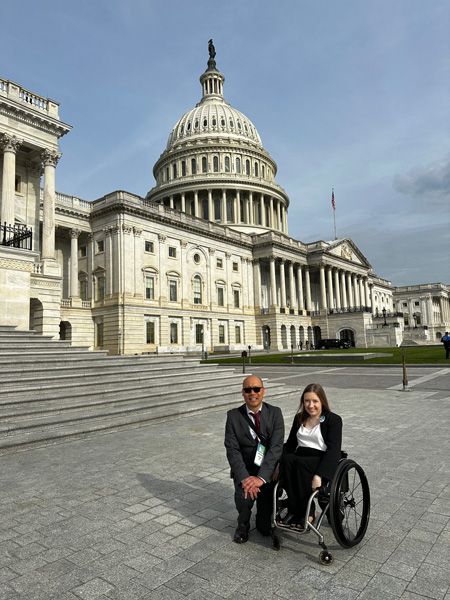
(197, 290)
(238, 164)
(247, 167)
(263, 171)
(256, 169)
(167, 174)
(183, 168)
(175, 171)
(227, 164)
(216, 164)
(204, 165)
(194, 166)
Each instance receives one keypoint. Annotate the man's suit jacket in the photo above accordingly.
(241, 446)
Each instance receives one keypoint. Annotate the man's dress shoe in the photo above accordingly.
(240, 537)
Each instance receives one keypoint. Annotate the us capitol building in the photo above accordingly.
(204, 260)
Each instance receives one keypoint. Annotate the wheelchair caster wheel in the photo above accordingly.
(276, 544)
(326, 558)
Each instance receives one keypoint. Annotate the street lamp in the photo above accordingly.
(384, 315)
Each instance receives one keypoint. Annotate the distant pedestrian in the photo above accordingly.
(307, 345)
(445, 339)
(300, 345)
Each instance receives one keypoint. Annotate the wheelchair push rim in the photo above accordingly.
(349, 504)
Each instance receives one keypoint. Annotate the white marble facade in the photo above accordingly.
(204, 260)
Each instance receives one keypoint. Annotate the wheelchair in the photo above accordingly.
(345, 501)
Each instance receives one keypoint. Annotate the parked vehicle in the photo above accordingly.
(334, 343)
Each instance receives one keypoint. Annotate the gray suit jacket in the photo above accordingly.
(241, 447)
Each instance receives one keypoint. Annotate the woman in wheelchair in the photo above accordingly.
(311, 454)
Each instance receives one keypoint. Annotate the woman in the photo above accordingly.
(311, 453)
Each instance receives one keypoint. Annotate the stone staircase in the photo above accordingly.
(51, 391)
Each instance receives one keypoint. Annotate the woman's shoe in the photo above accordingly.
(286, 520)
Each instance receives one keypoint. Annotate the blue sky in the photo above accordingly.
(347, 94)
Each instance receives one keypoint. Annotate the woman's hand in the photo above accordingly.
(316, 482)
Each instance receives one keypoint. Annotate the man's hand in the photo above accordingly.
(251, 486)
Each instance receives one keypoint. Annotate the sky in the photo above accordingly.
(345, 94)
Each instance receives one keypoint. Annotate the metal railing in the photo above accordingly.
(16, 236)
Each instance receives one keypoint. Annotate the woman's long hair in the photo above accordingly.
(316, 388)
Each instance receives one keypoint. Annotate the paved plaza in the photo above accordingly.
(148, 512)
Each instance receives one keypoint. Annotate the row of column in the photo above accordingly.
(10, 144)
(258, 209)
(339, 289)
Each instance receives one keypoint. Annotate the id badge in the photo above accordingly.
(260, 451)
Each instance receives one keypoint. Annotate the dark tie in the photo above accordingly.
(256, 417)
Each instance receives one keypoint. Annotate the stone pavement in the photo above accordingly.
(148, 512)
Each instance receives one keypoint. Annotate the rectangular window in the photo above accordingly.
(416, 304)
(148, 246)
(219, 263)
(172, 290)
(406, 321)
(235, 267)
(18, 185)
(221, 334)
(83, 290)
(404, 304)
(100, 246)
(150, 332)
(199, 334)
(150, 288)
(220, 297)
(236, 298)
(100, 288)
(82, 252)
(237, 331)
(174, 333)
(172, 252)
(99, 334)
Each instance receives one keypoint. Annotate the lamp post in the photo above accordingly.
(384, 315)
(267, 340)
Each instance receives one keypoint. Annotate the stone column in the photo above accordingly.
(246, 211)
(285, 220)
(366, 293)
(361, 292)
(308, 289)
(10, 145)
(210, 206)
(196, 203)
(50, 160)
(351, 298)
(171, 201)
(162, 292)
(273, 284)
(330, 288)
(337, 288)
(292, 286)
(355, 290)
(223, 207)
(257, 283)
(263, 211)
(237, 207)
(278, 216)
(74, 235)
(183, 202)
(271, 222)
(90, 266)
(282, 284)
(323, 295)
(344, 293)
(301, 302)
(250, 199)
(138, 288)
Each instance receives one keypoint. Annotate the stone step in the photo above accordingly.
(33, 376)
(47, 432)
(146, 382)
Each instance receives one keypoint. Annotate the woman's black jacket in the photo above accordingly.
(331, 429)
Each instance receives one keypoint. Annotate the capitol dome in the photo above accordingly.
(215, 167)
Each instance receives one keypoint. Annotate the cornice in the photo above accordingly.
(36, 120)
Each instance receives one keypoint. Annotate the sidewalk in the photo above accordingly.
(148, 513)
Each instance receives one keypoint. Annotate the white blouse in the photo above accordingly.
(311, 438)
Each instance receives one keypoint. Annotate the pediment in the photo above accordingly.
(347, 250)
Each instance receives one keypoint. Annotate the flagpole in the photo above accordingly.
(334, 211)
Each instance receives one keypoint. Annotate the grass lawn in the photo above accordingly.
(415, 355)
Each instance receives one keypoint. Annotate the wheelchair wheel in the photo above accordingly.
(349, 504)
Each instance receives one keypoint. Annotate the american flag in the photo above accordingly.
(332, 199)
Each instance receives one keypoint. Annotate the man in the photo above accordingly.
(254, 436)
(445, 339)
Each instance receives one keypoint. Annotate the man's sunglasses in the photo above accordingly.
(255, 388)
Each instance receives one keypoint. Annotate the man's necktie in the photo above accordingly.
(256, 417)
